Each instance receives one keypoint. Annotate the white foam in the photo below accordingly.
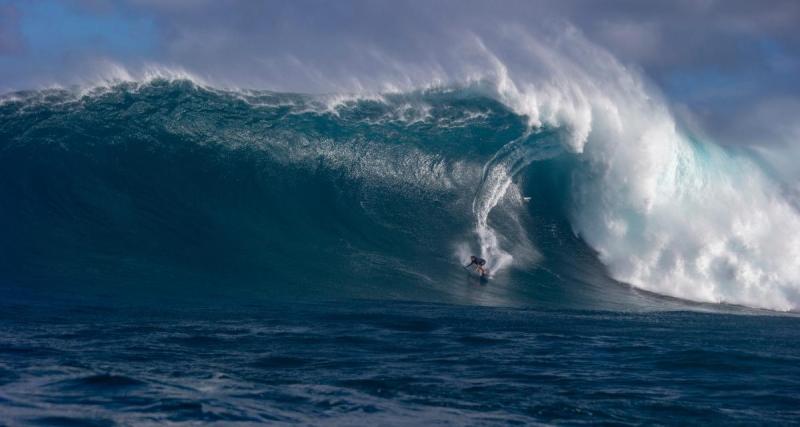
(667, 214)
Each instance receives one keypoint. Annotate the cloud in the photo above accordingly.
(223, 38)
(11, 40)
(660, 37)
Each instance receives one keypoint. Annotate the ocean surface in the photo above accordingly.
(393, 363)
(177, 253)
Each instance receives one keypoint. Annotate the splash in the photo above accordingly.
(666, 212)
(498, 175)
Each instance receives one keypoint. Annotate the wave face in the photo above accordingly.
(172, 187)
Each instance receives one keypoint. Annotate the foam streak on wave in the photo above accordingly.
(498, 174)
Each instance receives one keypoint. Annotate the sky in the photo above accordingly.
(729, 62)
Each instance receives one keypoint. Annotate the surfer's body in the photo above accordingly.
(479, 265)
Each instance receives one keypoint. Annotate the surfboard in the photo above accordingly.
(474, 273)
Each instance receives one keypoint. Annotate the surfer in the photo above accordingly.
(478, 263)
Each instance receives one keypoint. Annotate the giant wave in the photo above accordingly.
(569, 181)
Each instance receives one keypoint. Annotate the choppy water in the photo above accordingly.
(392, 363)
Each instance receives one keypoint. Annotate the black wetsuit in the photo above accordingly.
(478, 261)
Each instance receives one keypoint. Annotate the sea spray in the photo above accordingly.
(498, 175)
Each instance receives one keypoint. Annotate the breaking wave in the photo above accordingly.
(569, 179)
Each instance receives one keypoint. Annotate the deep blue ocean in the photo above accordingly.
(177, 254)
(392, 363)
